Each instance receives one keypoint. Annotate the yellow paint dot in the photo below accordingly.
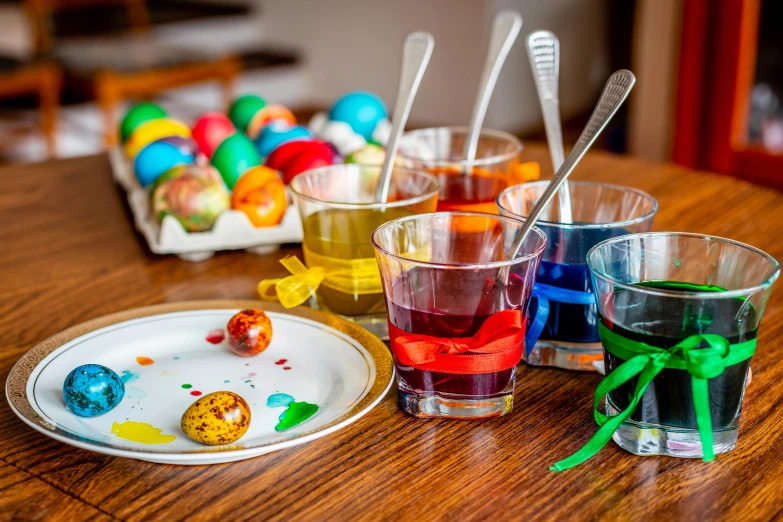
(141, 432)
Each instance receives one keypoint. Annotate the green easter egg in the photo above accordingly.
(243, 109)
(234, 156)
(368, 155)
(137, 115)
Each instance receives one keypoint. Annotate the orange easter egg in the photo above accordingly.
(266, 115)
(260, 194)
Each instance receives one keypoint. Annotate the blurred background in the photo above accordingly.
(708, 97)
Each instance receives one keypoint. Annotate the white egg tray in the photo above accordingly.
(232, 230)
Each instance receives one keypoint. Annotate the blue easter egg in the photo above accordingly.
(361, 110)
(91, 390)
(160, 156)
(277, 133)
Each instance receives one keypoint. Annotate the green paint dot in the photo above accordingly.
(226, 380)
(186, 386)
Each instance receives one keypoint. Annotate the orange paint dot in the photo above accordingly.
(144, 361)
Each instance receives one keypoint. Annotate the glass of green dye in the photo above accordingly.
(685, 310)
(339, 214)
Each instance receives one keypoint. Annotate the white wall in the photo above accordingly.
(355, 44)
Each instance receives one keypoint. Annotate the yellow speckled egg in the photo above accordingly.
(218, 418)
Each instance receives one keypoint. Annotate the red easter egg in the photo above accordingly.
(295, 157)
(210, 130)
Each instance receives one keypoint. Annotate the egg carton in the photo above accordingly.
(232, 230)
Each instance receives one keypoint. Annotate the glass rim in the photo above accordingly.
(685, 294)
(485, 132)
(539, 251)
(372, 205)
(612, 224)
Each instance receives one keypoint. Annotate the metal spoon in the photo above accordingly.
(416, 54)
(615, 92)
(505, 29)
(543, 51)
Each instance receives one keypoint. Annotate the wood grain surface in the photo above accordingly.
(68, 253)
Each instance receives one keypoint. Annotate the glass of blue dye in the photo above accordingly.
(562, 315)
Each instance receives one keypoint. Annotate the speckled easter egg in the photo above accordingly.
(154, 130)
(361, 110)
(368, 155)
(234, 156)
(210, 130)
(260, 194)
(295, 157)
(266, 116)
(138, 114)
(195, 196)
(221, 417)
(158, 157)
(91, 390)
(249, 332)
(244, 108)
(277, 133)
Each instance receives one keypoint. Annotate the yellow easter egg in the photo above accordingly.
(154, 130)
(218, 418)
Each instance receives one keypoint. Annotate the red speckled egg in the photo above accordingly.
(210, 130)
(295, 157)
(249, 332)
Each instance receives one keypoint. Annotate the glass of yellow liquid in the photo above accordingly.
(339, 214)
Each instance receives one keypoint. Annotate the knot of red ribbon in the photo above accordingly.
(496, 346)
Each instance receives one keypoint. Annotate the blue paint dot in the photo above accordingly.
(279, 400)
(176, 357)
(226, 380)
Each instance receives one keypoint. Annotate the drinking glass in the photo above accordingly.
(339, 213)
(441, 151)
(693, 302)
(564, 318)
(456, 306)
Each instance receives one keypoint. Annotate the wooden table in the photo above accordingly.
(68, 253)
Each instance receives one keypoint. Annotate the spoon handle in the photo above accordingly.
(543, 51)
(615, 92)
(416, 54)
(505, 29)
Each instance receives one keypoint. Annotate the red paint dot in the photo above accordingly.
(195, 393)
(216, 336)
(282, 361)
(286, 367)
(247, 364)
(253, 374)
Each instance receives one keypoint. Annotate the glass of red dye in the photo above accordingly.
(456, 306)
(441, 152)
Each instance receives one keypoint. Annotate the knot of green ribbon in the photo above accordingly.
(645, 361)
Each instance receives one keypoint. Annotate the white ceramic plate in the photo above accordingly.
(313, 357)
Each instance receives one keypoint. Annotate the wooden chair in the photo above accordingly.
(128, 66)
(41, 79)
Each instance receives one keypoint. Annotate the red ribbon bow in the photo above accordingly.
(496, 346)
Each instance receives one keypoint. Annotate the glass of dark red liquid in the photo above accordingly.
(467, 187)
(456, 304)
(564, 319)
(696, 301)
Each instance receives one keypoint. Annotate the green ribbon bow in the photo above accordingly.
(647, 361)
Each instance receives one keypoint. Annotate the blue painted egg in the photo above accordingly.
(277, 133)
(160, 156)
(361, 110)
(91, 390)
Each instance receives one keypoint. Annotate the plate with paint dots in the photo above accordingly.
(201, 382)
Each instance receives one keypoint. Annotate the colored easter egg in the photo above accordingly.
(249, 332)
(185, 145)
(361, 110)
(234, 156)
(295, 157)
(158, 157)
(154, 130)
(267, 115)
(244, 108)
(195, 196)
(368, 155)
(138, 114)
(210, 130)
(260, 194)
(91, 390)
(277, 133)
(221, 417)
